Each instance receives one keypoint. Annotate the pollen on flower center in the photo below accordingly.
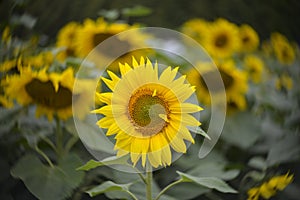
(148, 111)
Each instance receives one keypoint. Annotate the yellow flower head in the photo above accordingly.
(51, 92)
(254, 66)
(93, 33)
(249, 38)
(66, 38)
(283, 50)
(269, 188)
(148, 113)
(222, 39)
(284, 81)
(235, 83)
(196, 28)
(253, 194)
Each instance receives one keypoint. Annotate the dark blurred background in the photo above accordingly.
(264, 15)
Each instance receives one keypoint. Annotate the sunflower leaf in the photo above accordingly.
(109, 186)
(91, 164)
(47, 182)
(136, 11)
(199, 131)
(209, 182)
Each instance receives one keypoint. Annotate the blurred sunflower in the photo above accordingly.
(8, 65)
(249, 38)
(66, 39)
(254, 67)
(235, 83)
(222, 39)
(270, 187)
(283, 50)
(284, 81)
(51, 92)
(148, 114)
(92, 33)
(195, 28)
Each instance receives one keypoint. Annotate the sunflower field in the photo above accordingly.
(140, 100)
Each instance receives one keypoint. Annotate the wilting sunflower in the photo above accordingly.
(50, 92)
(148, 114)
(249, 38)
(66, 39)
(235, 83)
(283, 50)
(270, 187)
(196, 28)
(254, 67)
(222, 39)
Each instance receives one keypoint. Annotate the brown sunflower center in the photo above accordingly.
(43, 93)
(214, 86)
(221, 40)
(227, 79)
(115, 45)
(148, 111)
(246, 39)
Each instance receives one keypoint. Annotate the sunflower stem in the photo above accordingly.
(44, 155)
(59, 138)
(149, 181)
(166, 188)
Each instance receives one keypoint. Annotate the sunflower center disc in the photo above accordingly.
(44, 93)
(221, 41)
(148, 113)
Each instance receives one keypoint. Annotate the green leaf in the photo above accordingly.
(48, 183)
(91, 164)
(241, 129)
(286, 149)
(93, 137)
(209, 182)
(109, 14)
(187, 190)
(213, 169)
(108, 186)
(136, 11)
(199, 131)
(258, 163)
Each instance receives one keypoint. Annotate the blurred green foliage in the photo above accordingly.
(265, 16)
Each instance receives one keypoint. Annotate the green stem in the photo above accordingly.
(132, 195)
(167, 187)
(72, 141)
(59, 138)
(44, 155)
(149, 181)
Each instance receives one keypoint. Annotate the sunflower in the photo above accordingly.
(92, 33)
(51, 92)
(222, 39)
(283, 50)
(66, 38)
(148, 114)
(235, 83)
(270, 187)
(249, 38)
(284, 81)
(254, 67)
(196, 28)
